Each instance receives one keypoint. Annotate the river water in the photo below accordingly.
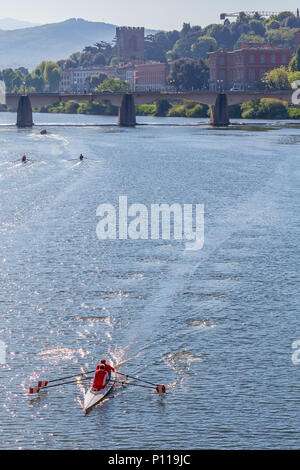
(216, 326)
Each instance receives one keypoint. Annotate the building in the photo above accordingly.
(151, 76)
(74, 80)
(242, 68)
(130, 45)
(125, 74)
(297, 39)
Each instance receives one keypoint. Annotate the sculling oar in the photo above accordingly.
(162, 387)
(156, 387)
(44, 385)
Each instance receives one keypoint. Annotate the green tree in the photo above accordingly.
(203, 45)
(183, 47)
(257, 27)
(295, 62)
(162, 107)
(273, 24)
(13, 80)
(52, 75)
(277, 79)
(293, 76)
(71, 107)
(98, 59)
(94, 81)
(112, 84)
(281, 37)
(157, 45)
(186, 29)
(222, 34)
(249, 38)
(283, 15)
(186, 74)
(35, 81)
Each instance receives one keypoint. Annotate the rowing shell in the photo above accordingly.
(94, 397)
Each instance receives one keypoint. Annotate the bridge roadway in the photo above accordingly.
(127, 102)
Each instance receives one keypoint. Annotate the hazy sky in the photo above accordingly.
(158, 14)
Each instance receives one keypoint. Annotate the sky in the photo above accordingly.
(156, 14)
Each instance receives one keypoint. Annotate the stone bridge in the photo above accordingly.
(126, 102)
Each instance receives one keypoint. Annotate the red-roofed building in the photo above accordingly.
(242, 68)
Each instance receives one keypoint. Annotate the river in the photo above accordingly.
(216, 325)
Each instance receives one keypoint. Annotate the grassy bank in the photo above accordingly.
(255, 109)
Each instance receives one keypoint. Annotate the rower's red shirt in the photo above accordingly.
(108, 368)
(100, 380)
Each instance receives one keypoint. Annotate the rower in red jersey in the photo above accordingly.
(101, 378)
(109, 369)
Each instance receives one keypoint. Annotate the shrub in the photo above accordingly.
(177, 111)
(265, 109)
(146, 110)
(294, 113)
(198, 111)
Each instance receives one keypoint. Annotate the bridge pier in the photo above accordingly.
(219, 115)
(24, 118)
(127, 116)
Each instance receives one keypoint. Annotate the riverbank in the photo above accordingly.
(255, 109)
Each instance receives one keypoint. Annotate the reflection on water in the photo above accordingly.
(215, 326)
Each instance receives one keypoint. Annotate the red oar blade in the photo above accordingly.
(34, 390)
(161, 389)
(42, 384)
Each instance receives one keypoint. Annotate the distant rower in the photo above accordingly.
(81, 157)
(24, 159)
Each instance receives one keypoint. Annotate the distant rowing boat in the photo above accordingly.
(94, 397)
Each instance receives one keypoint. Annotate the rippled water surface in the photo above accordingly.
(216, 326)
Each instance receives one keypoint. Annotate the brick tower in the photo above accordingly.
(130, 45)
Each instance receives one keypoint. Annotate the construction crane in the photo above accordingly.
(243, 14)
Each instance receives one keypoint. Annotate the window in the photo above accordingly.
(251, 59)
(273, 59)
(262, 59)
(222, 60)
(284, 58)
(251, 75)
(262, 72)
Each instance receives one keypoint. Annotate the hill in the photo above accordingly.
(12, 23)
(27, 47)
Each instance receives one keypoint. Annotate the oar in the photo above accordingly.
(33, 390)
(141, 380)
(66, 378)
(135, 385)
